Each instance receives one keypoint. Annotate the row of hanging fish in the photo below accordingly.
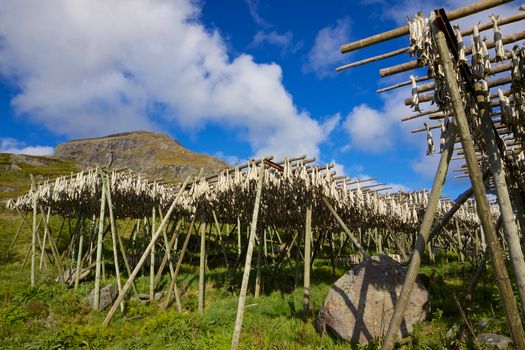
(231, 195)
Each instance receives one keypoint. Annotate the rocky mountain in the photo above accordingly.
(145, 152)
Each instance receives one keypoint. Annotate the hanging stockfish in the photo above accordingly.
(461, 46)
(477, 63)
(443, 135)
(498, 42)
(420, 39)
(430, 141)
(415, 95)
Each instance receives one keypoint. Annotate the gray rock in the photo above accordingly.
(108, 294)
(482, 324)
(360, 304)
(494, 340)
(51, 321)
(159, 295)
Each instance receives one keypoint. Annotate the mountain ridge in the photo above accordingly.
(151, 153)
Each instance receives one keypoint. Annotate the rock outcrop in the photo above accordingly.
(144, 152)
(360, 304)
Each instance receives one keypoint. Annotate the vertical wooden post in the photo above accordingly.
(219, 235)
(297, 264)
(98, 262)
(424, 231)
(502, 278)
(498, 175)
(239, 243)
(202, 268)
(33, 236)
(307, 258)
(248, 262)
(152, 259)
(257, 291)
(79, 255)
(113, 237)
(460, 243)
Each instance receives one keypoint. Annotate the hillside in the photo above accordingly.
(145, 152)
(15, 170)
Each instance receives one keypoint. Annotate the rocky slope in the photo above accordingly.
(145, 152)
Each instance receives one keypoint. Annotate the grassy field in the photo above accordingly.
(51, 316)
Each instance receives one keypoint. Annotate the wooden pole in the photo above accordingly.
(167, 256)
(135, 272)
(54, 249)
(33, 236)
(258, 276)
(169, 246)
(248, 262)
(106, 183)
(424, 231)
(202, 268)
(152, 259)
(79, 255)
(126, 262)
(502, 278)
(173, 283)
(219, 233)
(344, 227)
(239, 243)
(98, 266)
(44, 239)
(398, 32)
(307, 260)
(13, 242)
(498, 175)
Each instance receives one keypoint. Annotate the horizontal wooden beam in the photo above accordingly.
(401, 31)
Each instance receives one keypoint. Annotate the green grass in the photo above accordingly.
(51, 316)
(16, 173)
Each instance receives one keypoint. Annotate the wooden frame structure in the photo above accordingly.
(489, 139)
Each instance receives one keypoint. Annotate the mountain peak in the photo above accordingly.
(147, 152)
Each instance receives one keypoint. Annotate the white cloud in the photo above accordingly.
(230, 159)
(9, 145)
(368, 129)
(339, 168)
(253, 7)
(374, 130)
(426, 166)
(87, 68)
(282, 40)
(324, 55)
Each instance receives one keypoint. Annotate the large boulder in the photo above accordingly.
(360, 304)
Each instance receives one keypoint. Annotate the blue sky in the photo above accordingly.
(234, 79)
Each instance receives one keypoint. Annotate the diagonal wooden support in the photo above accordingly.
(106, 183)
(344, 227)
(502, 277)
(135, 272)
(54, 249)
(498, 174)
(173, 283)
(248, 262)
(424, 231)
(98, 266)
